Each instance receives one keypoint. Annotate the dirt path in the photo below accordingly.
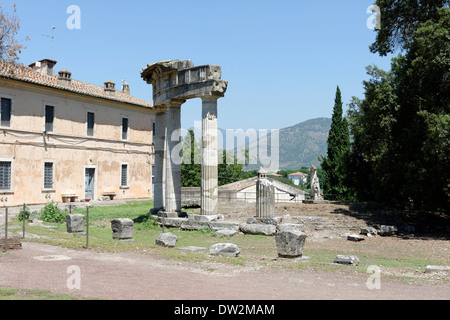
(134, 276)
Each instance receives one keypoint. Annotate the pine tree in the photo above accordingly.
(338, 149)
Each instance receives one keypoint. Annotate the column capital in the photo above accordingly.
(160, 108)
(210, 98)
(175, 103)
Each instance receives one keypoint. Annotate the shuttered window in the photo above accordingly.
(48, 175)
(49, 118)
(5, 113)
(124, 176)
(5, 175)
(90, 124)
(124, 128)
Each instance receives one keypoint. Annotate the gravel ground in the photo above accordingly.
(133, 276)
(140, 276)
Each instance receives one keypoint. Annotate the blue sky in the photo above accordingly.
(283, 59)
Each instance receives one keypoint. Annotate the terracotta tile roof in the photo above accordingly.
(25, 74)
(297, 174)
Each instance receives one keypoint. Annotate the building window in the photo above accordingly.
(5, 114)
(5, 175)
(124, 176)
(90, 124)
(124, 128)
(49, 118)
(48, 175)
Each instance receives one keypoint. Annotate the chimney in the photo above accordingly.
(65, 78)
(126, 88)
(45, 67)
(110, 87)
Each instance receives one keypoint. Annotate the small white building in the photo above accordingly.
(245, 191)
(298, 178)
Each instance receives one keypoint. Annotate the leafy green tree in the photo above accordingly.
(191, 168)
(338, 150)
(399, 22)
(229, 170)
(400, 151)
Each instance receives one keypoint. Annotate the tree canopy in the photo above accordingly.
(401, 129)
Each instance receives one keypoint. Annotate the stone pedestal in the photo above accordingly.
(75, 223)
(290, 244)
(122, 229)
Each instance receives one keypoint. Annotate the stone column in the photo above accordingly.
(173, 163)
(159, 174)
(265, 197)
(210, 189)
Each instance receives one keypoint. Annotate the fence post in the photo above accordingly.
(87, 227)
(23, 220)
(6, 230)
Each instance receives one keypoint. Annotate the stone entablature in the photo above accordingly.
(180, 80)
(173, 83)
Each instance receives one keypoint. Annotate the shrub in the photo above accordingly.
(51, 213)
(26, 213)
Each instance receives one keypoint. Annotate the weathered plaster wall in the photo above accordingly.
(69, 147)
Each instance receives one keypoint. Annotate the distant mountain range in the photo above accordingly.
(299, 145)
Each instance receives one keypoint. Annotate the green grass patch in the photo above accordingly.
(23, 294)
(255, 250)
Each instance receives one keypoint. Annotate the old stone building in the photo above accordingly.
(66, 140)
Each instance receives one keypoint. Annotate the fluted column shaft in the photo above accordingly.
(173, 164)
(159, 171)
(265, 198)
(209, 188)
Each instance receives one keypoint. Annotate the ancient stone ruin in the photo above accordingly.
(315, 184)
(173, 83)
(122, 229)
(75, 223)
(265, 196)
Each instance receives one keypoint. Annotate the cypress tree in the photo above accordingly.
(338, 149)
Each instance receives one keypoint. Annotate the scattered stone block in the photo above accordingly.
(200, 218)
(220, 225)
(258, 229)
(347, 260)
(355, 237)
(290, 244)
(274, 220)
(290, 227)
(167, 240)
(122, 229)
(193, 225)
(224, 249)
(172, 222)
(368, 231)
(437, 269)
(75, 223)
(194, 249)
(226, 233)
(387, 230)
